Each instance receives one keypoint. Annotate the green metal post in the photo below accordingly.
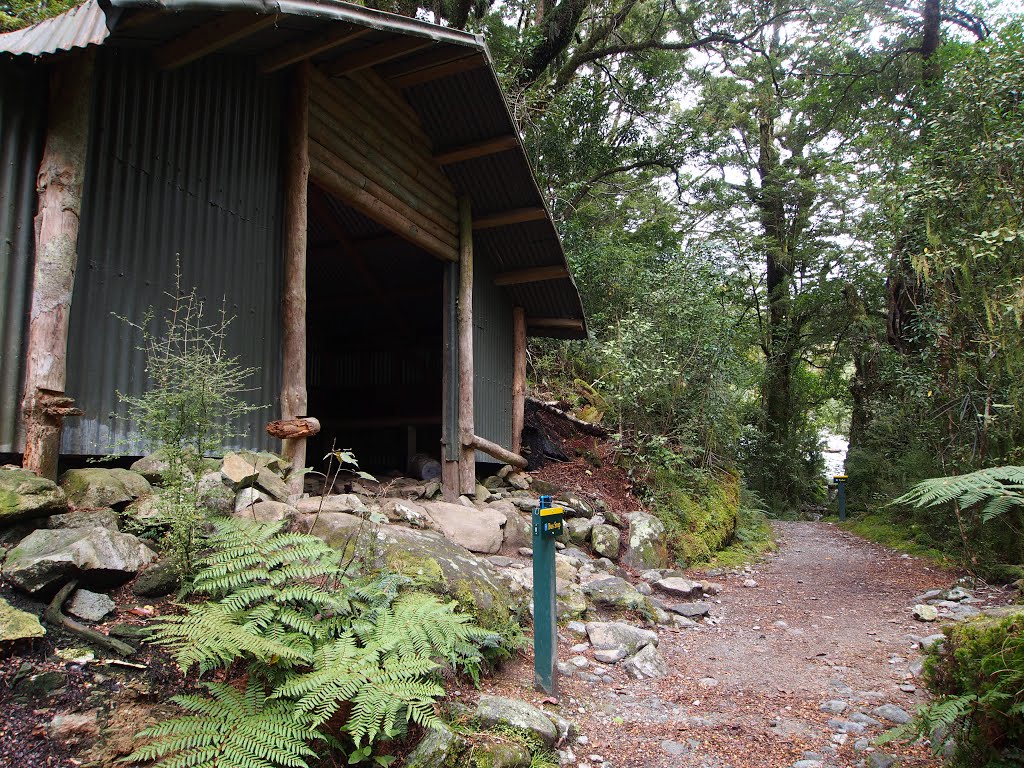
(547, 525)
(841, 495)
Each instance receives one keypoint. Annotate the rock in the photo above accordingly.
(517, 531)
(91, 606)
(924, 612)
(147, 513)
(674, 585)
(610, 655)
(498, 710)
(612, 635)
(880, 760)
(441, 565)
(45, 559)
(865, 720)
(846, 726)
(239, 471)
(807, 764)
(578, 529)
(682, 622)
(691, 610)
(215, 494)
(749, 583)
(270, 483)
(652, 575)
(525, 551)
(500, 754)
(834, 707)
(675, 748)
(266, 511)
(152, 467)
(646, 663)
(24, 495)
(519, 480)
(95, 488)
(527, 504)
(157, 580)
(644, 589)
(43, 684)
(18, 625)
(615, 592)
(930, 641)
(74, 728)
(404, 511)
(570, 604)
(478, 530)
(646, 547)
(339, 502)
(566, 568)
(247, 498)
(99, 518)
(604, 539)
(439, 748)
(893, 714)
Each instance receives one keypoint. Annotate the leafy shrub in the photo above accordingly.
(978, 674)
(326, 656)
(187, 412)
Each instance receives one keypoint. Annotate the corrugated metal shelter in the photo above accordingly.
(187, 151)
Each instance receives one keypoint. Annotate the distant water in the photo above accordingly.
(835, 450)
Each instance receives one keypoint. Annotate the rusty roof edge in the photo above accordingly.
(327, 9)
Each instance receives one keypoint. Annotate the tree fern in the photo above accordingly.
(995, 490)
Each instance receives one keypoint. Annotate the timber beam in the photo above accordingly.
(311, 46)
(210, 38)
(555, 323)
(445, 69)
(533, 275)
(376, 54)
(507, 218)
(477, 443)
(477, 149)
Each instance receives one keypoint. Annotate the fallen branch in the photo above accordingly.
(53, 615)
(586, 426)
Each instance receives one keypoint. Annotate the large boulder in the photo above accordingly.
(18, 625)
(615, 593)
(97, 518)
(604, 539)
(609, 635)
(476, 529)
(152, 467)
(578, 529)
(332, 503)
(646, 542)
(426, 556)
(47, 558)
(497, 710)
(25, 495)
(440, 747)
(646, 663)
(94, 488)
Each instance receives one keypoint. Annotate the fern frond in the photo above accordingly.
(1000, 489)
(242, 729)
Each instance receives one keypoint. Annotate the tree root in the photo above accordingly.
(53, 615)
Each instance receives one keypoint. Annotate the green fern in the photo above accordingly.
(243, 729)
(326, 656)
(999, 489)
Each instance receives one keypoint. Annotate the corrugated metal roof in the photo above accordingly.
(22, 108)
(457, 109)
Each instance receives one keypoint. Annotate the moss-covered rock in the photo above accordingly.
(491, 753)
(94, 488)
(440, 748)
(24, 495)
(18, 625)
(646, 542)
(604, 539)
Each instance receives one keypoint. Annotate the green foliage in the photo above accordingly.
(993, 492)
(978, 675)
(187, 412)
(326, 655)
(15, 14)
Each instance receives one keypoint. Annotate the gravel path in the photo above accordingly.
(828, 624)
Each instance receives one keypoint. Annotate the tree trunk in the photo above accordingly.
(467, 460)
(59, 184)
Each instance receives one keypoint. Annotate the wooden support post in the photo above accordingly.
(467, 460)
(59, 184)
(293, 300)
(518, 377)
(451, 450)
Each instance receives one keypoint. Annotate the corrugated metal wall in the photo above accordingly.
(23, 89)
(181, 165)
(493, 353)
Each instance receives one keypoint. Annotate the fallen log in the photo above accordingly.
(586, 426)
(293, 429)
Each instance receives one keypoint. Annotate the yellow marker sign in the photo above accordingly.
(551, 511)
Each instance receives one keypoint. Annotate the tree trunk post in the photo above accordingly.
(451, 448)
(293, 303)
(467, 460)
(518, 377)
(59, 186)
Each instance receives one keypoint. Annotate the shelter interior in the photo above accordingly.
(374, 339)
